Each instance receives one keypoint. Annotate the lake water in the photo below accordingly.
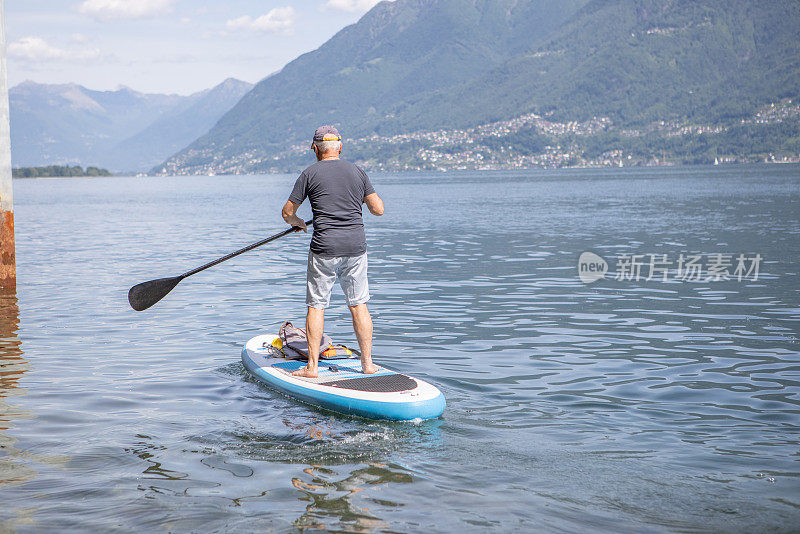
(622, 405)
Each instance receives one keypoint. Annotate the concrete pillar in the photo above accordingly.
(8, 264)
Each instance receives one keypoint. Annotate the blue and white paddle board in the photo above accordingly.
(341, 386)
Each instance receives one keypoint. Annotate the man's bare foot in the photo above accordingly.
(305, 372)
(370, 369)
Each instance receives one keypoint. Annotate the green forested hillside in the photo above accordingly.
(415, 65)
(639, 61)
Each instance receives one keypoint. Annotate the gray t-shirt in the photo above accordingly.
(336, 189)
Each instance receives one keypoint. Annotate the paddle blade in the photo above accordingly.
(144, 295)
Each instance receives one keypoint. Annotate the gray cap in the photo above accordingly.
(327, 133)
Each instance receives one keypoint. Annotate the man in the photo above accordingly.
(336, 190)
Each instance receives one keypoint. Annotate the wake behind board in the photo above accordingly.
(342, 387)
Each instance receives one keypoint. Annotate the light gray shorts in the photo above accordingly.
(322, 273)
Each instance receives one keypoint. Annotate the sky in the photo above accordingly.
(165, 46)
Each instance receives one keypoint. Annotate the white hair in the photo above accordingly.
(326, 147)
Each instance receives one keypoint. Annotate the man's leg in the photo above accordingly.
(320, 277)
(362, 324)
(353, 278)
(315, 321)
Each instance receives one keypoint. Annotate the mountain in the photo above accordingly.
(640, 61)
(413, 65)
(397, 54)
(178, 128)
(70, 124)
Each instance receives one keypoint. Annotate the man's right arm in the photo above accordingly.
(298, 195)
(374, 203)
(289, 214)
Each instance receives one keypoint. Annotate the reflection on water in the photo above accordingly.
(13, 468)
(329, 496)
(338, 491)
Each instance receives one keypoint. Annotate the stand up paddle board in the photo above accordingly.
(341, 386)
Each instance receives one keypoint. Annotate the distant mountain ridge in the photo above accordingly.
(123, 130)
(180, 127)
(414, 65)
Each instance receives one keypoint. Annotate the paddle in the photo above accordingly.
(144, 295)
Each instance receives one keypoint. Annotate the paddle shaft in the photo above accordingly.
(242, 250)
(142, 296)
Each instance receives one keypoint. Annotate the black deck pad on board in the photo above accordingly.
(381, 383)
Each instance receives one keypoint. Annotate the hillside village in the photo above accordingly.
(484, 147)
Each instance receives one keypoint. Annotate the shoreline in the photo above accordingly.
(501, 169)
(435, 170)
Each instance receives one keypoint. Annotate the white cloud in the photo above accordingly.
(278, 20)
(354, 6)
(124, 9)
(37, 49)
